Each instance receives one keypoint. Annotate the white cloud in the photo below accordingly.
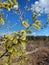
(41, 5)
(15, 7)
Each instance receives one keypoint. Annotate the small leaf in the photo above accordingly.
(9, 37)
(1, 53)
(25, 24)
(10, 1)
(34, 17)
(28, 31)
(23, 37)
(16, 33)
(15, 41)
(1, 20)
(10, 50)
(36, 26)
(15, 2)
(23, 32)
(14, 53)
(38, 22)
(6, 5)
(8, 8)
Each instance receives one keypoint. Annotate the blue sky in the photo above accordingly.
(12, 19)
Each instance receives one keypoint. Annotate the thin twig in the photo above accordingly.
(3, 54)
(38, 49)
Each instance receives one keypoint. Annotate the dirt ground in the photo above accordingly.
(41, 53)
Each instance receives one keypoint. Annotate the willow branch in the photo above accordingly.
(3, 54)
(38, 49)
